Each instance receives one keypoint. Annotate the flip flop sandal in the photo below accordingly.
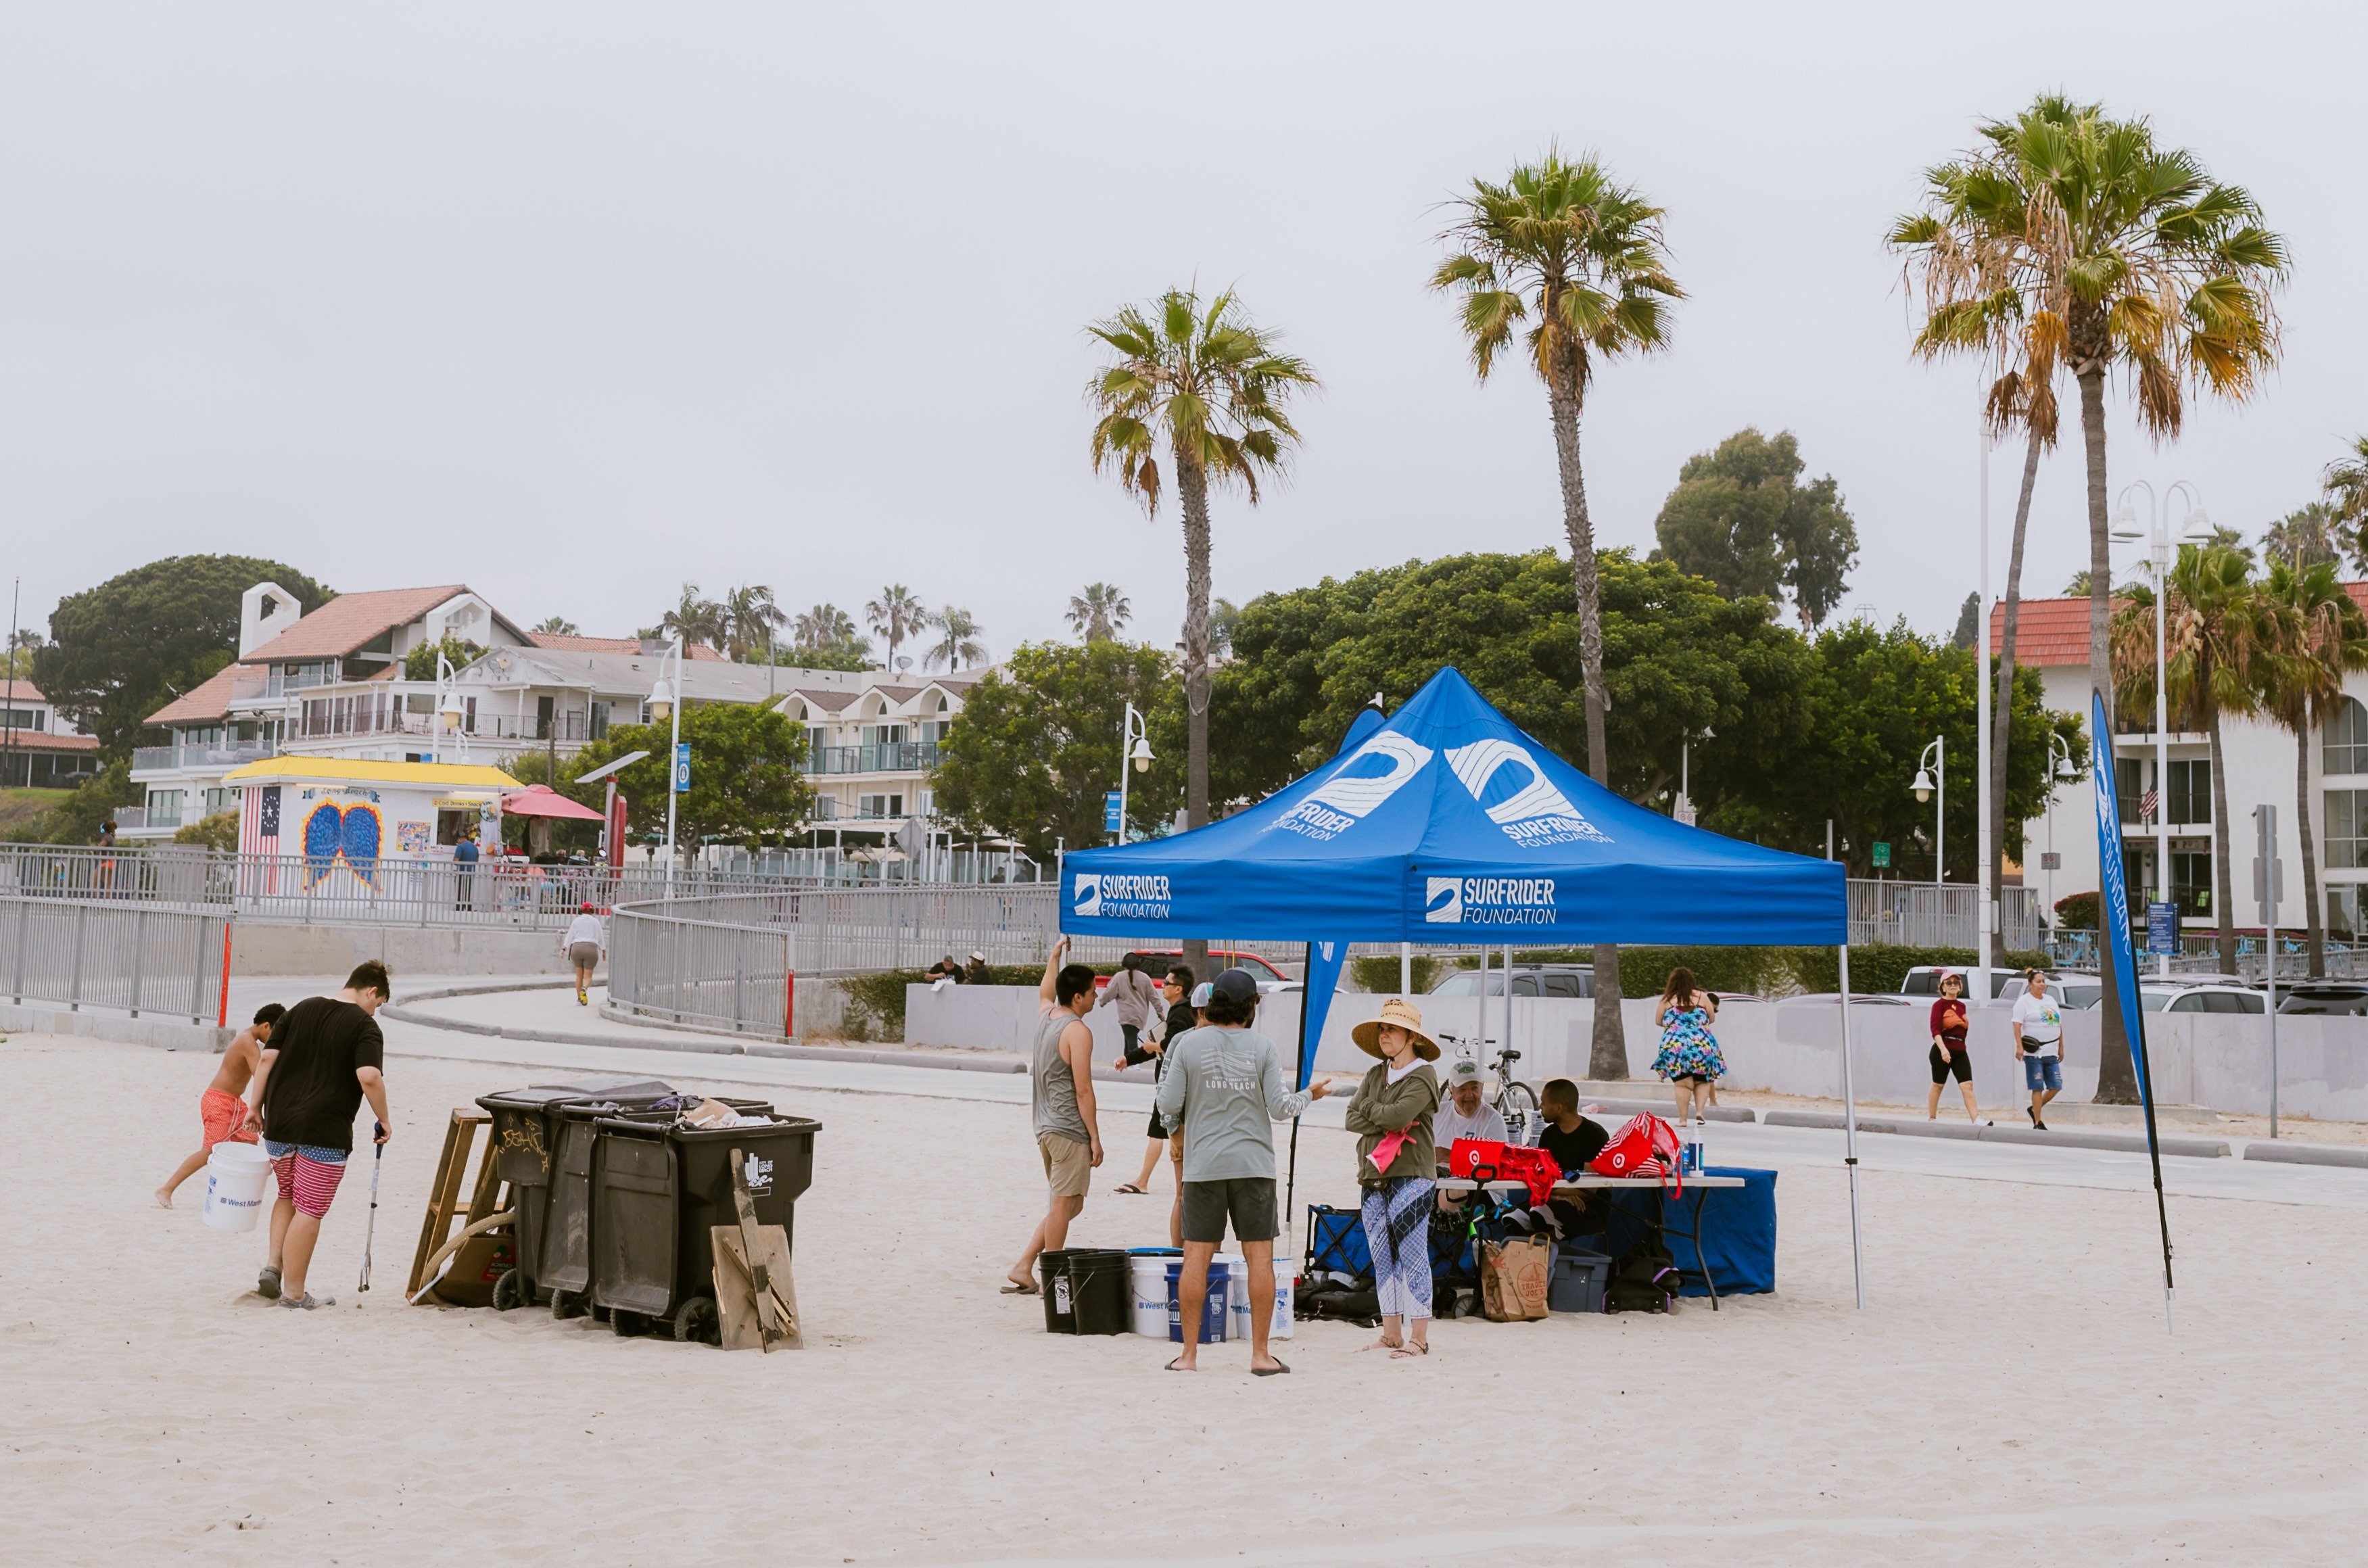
(1174, 1368)
(1380, 1344)
(1274, 1371)
(1409, 1352)
(1131, 1188)
(1015, 1289)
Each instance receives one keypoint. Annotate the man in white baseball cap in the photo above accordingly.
(1464, 1115)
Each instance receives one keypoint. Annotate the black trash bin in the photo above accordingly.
(524, 1136)
(564, 1264)
(658, 1189)
(1052, 1284)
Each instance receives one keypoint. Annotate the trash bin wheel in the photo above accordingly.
(510, 1291)
(628, 1325)
(695, 1321)
(566, 1304)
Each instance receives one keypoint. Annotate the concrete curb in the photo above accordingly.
(1662, 1108)
(2307, 1154)
(161, 1033)
(2116, 1143)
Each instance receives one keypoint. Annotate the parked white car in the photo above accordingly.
(2212, 996)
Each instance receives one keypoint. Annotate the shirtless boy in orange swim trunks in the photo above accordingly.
(220, 1107)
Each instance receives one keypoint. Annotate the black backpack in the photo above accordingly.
(1644, 1280)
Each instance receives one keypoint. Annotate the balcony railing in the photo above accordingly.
(160, 758)
(896, 757)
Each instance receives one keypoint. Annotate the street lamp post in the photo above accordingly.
(664, 704)
(1985, 946)
(1134, 747)
(2059, 766)
(448, 711)
(1931, 779)
(2196, 529)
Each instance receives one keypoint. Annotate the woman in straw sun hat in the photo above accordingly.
(1391, 1114)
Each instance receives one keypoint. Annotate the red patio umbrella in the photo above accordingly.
(542, 801)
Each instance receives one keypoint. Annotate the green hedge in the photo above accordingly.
(1882, 967)
(875, 1003)
(1378, 974)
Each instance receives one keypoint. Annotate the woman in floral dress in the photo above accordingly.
(1688, 1058)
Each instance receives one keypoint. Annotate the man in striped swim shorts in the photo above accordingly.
(325, 1061)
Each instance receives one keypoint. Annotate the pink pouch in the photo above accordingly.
(1387, 1149)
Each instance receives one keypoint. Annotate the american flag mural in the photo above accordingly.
(258, 834)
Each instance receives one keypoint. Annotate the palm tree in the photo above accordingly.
(895, 615)
(2215, 646)
(1958, 254)
(749, 618)
(1562, 244)
(1209, 386)
(2314, 635)
(694, 620)
(2152, 267)
(825, 626)
(555, 626)
(2305, 537)
(1099, 613)
(958, 643)
(2347, 491)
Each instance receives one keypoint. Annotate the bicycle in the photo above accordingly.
(1513, 1098)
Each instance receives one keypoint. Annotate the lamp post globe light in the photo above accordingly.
(1134, 745)
(1930, 780)
(449, 712)
(664, 709)
(2195, 529)
(2059, 766)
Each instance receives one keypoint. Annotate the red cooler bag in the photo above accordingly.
(1644, 1146)
(1489, 1160)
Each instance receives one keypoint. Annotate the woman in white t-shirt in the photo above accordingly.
(2039, 1043)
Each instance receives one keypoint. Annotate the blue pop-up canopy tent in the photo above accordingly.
(1447, 824)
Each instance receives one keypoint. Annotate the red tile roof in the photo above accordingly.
(568, 642)
(20, 690)
(41, 740)
(208, 699)
(2055, 631)
(349, 620)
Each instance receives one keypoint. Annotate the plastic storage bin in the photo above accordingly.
(1578, 1281)
(523, 1140)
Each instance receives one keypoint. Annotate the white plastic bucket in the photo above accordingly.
(237, 1178)
(1149, 1303)
(1285, 1272)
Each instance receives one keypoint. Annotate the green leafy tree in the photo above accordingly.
(2309, 536)
(957, 643)
(219, 831)
(749, 620)
(2314, 636)
(420, 662)
(1968, 633)
(748, 778)
(696, 620)
(855, 655)
(87, 807)
(17, 659)
(1741, 518)
(897, 615)
(1037, 745)
(1563, 248)
(124, 649)
(2347, 492)
(1099, 613)
(556, 626)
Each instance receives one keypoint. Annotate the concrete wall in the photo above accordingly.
(164, 1033)
(267, 947)
(1792, 1047)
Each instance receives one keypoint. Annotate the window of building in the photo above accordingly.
(2129, 784)
(20, 718)
(599, 728)
(883, 735)
(164, 807)
(2347, 830)
(2343, 902)
(880, 805)
(2191, 790)
(222, 800)
(2347, 739)
(2191, 881)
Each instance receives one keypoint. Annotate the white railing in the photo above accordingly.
(132, 956)
(1938, 914)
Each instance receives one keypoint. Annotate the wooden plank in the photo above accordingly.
(737, 1303)
(753, 1251)
(442, 1193)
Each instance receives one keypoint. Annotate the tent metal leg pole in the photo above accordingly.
(1849, 1135)
(1307, 1000)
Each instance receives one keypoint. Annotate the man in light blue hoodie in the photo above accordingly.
(1223, 1090)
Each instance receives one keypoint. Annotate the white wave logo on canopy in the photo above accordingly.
(1522, 801)
(1099, 894)
(1488, 900)
(1374, 772)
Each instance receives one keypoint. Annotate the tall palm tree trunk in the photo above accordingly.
(2116, 1079)
(2223, 897)
(1608, 1049)
(2314, 921)
(1193, 491)
(2002, 709)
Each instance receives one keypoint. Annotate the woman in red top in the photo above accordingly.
(1949, 1054)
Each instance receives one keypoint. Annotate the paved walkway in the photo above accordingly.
(673, 1054)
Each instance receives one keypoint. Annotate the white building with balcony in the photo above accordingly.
(41, 748)
(871, 743)
(2052, 636)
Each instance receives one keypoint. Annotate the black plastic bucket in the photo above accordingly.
(1100, 1282)
(1059, 1300)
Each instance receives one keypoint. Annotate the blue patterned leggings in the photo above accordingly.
(1397, 1232)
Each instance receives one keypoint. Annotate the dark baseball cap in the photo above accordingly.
(1234, 985)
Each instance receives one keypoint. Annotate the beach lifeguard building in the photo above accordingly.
(346, 816)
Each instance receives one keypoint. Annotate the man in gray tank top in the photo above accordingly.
(1061, 1100)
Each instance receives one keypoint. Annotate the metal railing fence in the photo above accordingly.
(1938, 914)
(137, 957)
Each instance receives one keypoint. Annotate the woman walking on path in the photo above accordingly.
(1177, 1019)
(1949, 1052)
(1391, 1113)
(1689, 1057)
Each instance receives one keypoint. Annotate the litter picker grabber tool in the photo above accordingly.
(370, 1232)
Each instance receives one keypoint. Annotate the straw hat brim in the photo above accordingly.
(1368, 1036)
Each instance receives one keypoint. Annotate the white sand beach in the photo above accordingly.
(2010, 1395)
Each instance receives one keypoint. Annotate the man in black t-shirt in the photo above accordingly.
(324, 1059)
(1574, 1141)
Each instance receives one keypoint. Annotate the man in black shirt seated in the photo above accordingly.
(1573, 1140)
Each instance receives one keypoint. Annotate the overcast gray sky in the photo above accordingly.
(575, 302)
